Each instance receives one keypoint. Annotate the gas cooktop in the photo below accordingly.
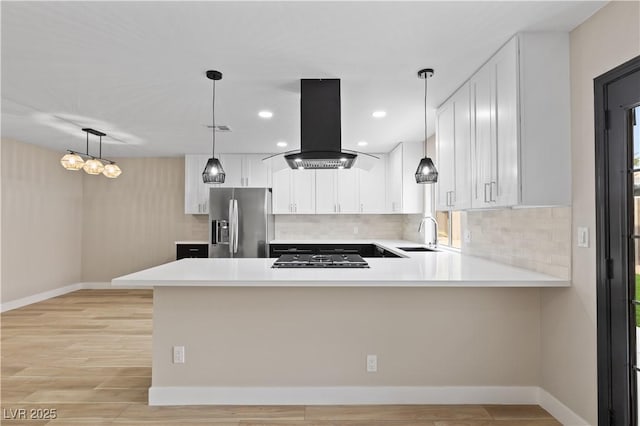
(320, 261)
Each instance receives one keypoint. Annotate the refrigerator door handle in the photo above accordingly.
(235, 226)
(231, 226)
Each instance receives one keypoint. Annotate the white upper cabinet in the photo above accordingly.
(326, 183)
(294, 192)
(337, 191)
(405, 195)
(256, 171)
(196, 192)
(520, 146)
(372, 186)
(303, 194)
(245, 170)
(460, 198)
(232, 165)
(445, 155)
(394, 180)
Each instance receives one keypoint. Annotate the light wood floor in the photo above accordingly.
(87, 355)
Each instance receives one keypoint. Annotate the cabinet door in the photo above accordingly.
(412, 193)
(196, 192)
(347, 191)
(394, 180)
(281, 195)
(232, 165)
(255, 172)
(326, 200)
(505, 179)
(445, 156)
(461, 196)
(482, 143)
(371, 185)
(303, 191)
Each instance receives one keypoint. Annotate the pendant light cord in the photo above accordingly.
(100, 152)
(424, 145)
(87, 143)
(213, 118)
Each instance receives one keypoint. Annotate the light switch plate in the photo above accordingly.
(583, 236)
(467, 236)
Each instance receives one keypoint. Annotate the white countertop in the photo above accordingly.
(417, 269)
(192, 242)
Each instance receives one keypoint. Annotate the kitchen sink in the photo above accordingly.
(415, 249)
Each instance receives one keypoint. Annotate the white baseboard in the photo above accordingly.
(342, 395)
(557, 409)
(18, 303)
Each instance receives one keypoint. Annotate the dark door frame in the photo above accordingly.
(609, 360)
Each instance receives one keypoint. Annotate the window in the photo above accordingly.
(449, 228)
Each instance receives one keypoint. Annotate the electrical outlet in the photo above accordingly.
(178, 354)
(467, 236)
(583, 236)
(372, 363)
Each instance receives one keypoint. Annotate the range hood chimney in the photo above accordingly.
(320, 138)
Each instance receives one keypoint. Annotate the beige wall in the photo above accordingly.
(321, 336)
(131, 223)
(41, 221)
(607, 39)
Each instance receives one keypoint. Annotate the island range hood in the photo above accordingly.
(320, 136)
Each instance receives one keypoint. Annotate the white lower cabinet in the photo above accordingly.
(294, 192)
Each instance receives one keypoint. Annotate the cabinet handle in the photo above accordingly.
(491, 196)
(361, 207)
(335, 209)
(485, 192)
(295, 207)
(339, 208)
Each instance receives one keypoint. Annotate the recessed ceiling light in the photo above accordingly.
(282, 144)
(379, 114)
(298, 160)
(363, 143)
(265, 114)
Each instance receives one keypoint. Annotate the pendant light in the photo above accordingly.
(213, 171)
(426, 171)
(93, 165)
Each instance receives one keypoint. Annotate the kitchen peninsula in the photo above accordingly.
(444, 328)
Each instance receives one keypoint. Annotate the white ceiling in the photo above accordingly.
(135, 70)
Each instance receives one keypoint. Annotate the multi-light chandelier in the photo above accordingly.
(92, 165)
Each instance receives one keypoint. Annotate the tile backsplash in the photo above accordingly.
(538, 239)
(344, 227)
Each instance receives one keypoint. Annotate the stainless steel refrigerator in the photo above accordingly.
(240, 222)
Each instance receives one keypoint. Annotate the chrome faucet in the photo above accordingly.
(434, 242)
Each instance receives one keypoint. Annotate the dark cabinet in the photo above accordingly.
(191, 250)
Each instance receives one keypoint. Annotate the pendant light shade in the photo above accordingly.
(112, 171)
(72, 161)
(426, 171)
(93, 167)
(213, 171)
